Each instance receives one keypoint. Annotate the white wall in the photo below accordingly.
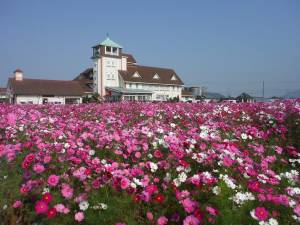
(171, 91)
(39, 99)
(124, 63)
(111, 67)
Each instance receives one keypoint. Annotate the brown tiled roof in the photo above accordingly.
(146, 75)
(85, 79)
(45, 87)
(130, 58)
(186, 93)
(2, 90)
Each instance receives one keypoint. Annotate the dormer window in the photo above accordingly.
(156, 76)
(174, 77)
(136, 75)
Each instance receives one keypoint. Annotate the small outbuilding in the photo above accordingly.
(21, 90)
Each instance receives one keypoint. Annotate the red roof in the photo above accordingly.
(18, 71)
(147, 73)
(45, 87)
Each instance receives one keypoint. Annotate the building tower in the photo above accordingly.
(107, 61)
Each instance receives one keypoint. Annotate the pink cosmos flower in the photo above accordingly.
(79, 216)
(38, 168)
(149, 216)
(162, 220)
(53, 180)
(191, 220)
(261, 213)
(17, 204)
(61, 209)
(138, 155)
(297, 210)
(189, 205)
(11, 119)
(41, 207)
(124, 183)
(67, 191)
(227, 161)
(212, 211)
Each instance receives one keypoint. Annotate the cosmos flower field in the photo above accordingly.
(145, 163)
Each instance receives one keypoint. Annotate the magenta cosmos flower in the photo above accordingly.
(41, 207)
(53, 180)
(261, 213)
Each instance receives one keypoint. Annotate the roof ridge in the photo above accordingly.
(47, 79)
(151, 67)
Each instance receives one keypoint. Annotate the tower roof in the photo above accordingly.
(109, 42)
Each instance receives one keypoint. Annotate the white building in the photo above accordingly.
(22, 90)
(116, 76)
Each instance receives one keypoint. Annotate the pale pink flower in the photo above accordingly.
(190, 220)
(17, 204)
(79, 216)
(162, 220)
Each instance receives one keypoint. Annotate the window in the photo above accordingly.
(156, 76)
(108, 49)
(111, 50)
(174, 77)
(136, 75)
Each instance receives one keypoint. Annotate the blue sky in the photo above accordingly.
(227, 46)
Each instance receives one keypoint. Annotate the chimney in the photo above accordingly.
(18, 74)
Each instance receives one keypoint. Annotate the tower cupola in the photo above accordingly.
(106, 47)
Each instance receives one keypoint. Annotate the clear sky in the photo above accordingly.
(227, 46)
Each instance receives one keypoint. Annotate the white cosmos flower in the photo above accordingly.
(244, 136)
(182, 177)
(84, 205)
(103, 206)
(153, 167)
(92, 152)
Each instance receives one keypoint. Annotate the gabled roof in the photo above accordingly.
(147, 74)
(109, 42)
(85, 79)
(45, 87)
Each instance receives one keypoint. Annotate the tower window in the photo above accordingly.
(111, 50)
(108, 49)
